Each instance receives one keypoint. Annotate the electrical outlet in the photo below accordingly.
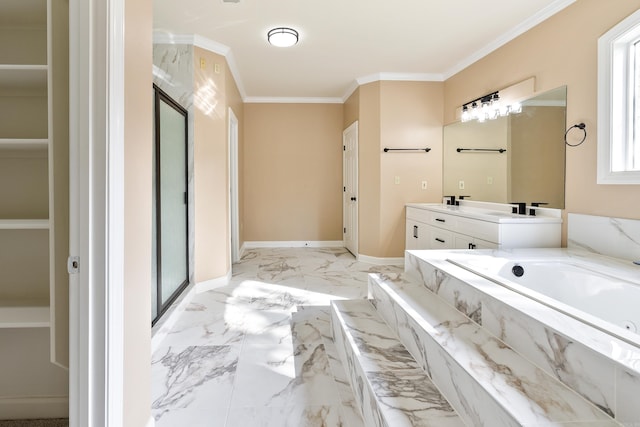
(424, 185)
(216, 68)
(397, 180)
(203, 63)
(461, 185)
(489, 180)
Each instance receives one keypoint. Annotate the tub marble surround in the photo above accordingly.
(483, 380)
(602, 369)
(390, 386)
(614, 237)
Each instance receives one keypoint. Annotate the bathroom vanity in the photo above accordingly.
(480, 225)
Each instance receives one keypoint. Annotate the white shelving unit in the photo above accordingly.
(34, 208)
(26, 174)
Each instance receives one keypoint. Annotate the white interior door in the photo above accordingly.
(234, 221)
(350, 188)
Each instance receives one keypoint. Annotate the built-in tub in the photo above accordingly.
(600, 291)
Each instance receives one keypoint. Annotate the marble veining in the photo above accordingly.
(260, 352)
(483, 367)
(392, 389)
(614, 237)
(586, 360)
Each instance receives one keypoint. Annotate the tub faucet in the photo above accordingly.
(532, 212)
(460, 198)
(519, 208)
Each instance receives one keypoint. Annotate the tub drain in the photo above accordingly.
(629, 326)
(517, 270)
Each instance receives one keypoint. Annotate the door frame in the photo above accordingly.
(161, 96)
(350, 128)
(96, 193)
(234, 225)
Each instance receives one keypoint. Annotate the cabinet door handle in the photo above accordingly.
(415, 231)
(439, 240)
(440, 220)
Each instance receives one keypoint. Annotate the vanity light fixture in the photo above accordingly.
(282, 37)
(490, 108)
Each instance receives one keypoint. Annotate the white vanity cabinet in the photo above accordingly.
(436, 226)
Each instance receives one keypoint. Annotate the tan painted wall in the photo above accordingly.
(395, 115)
(292, 172)
(560, 51)
(210, 168)
(369, 169)
(352, 108)
(410, 117)
(137, 228)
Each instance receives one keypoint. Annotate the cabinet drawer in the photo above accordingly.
(442, 220)
(416, 214)
(480, 229)
(440, 239)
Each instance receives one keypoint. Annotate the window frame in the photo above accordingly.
(616, 102)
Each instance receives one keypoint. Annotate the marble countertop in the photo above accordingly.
(499, 215)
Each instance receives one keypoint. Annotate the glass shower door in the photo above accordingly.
(172, 272)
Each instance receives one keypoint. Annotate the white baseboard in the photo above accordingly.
(243, 248)
(294, 244)
(381, 261)
(209, 285)
(151, 422)
(26, 407)
(164, 325)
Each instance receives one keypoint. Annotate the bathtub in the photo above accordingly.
(599, 291)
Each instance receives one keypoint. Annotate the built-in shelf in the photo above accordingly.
(24, 224)
(23, 144)
(24, 314)
(23, 13)
(26, 79)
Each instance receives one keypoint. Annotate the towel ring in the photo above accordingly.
(580, 126)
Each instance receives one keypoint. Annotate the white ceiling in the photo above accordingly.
(345, 42)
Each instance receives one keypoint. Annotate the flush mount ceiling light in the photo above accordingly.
(282, 37)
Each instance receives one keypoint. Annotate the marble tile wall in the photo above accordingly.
(586, 360)
(615, 237)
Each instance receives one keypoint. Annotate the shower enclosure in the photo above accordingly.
(171, 257)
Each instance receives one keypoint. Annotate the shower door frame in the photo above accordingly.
(161, 96)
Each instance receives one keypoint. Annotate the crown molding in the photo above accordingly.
(505, 38)
(397, 77)
(291, 100)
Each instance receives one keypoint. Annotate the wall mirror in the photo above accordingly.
(516, 158)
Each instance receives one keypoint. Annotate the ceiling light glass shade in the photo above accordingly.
(282, 37)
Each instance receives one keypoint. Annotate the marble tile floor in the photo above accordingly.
(258, 352)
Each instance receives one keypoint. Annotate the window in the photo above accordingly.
(619, 103)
